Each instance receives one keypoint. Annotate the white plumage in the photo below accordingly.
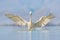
(44, 20)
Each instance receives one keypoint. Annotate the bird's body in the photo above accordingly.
(41, 22)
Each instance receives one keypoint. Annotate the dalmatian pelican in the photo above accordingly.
(44, 20)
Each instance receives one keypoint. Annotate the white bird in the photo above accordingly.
(44, 20)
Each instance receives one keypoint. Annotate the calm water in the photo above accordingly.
(17, 33)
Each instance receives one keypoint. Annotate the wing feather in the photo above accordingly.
(16, 19)
(44, 20)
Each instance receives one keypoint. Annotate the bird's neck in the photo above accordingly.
(30, 18)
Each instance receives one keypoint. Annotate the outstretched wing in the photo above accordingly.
(44, 20)
(18, 20)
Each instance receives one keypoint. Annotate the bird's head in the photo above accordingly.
(30, 12)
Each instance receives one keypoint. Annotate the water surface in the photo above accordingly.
(18, 33)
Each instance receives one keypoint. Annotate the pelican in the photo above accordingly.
(44, 20)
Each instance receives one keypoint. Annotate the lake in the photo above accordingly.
(18, 33)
